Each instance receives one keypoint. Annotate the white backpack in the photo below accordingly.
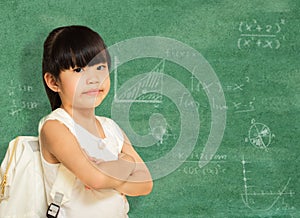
(22, 192)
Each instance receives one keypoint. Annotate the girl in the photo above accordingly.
(94, 149)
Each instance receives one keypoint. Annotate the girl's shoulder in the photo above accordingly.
(60, 115)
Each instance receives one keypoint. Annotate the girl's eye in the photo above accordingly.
(78, 70)
(101, 67)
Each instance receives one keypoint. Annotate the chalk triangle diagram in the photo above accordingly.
(145, 88)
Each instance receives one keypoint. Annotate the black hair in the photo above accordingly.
(70, 46)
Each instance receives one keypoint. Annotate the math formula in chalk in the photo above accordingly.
(17, 104)
(258, 34)
(215, 169)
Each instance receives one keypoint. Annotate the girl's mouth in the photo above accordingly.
(93, 92)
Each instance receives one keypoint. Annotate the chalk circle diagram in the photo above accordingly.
(259, 135)
(158, 47)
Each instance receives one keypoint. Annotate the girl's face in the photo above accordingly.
(85, 87)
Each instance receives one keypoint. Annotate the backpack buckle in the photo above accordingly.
(53, 211)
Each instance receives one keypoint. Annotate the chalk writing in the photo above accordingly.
(197, 86)
(212, 170)
(286, 206)
(240, 87)
(259, 135)
(188, 103)
(240, 107)
(259, 35)
(234, 88)
(218, 106)
(18, 105)
(215, 157)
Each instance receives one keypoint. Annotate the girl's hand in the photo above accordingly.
(93, 159)
(128, 160)
(126, 157)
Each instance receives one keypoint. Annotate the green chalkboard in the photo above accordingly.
(207, 91)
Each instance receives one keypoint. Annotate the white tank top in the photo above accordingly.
(107, 203)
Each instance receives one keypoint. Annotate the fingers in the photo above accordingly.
(126, 157)
(98, 161)
(93, 159)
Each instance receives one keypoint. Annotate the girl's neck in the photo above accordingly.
(84, 117)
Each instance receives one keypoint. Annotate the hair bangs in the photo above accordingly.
(80, 50)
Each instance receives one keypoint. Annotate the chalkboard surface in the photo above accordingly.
(207, 91)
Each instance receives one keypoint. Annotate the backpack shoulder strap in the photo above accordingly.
(63, 185)
(61, 190)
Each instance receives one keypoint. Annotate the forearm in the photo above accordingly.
(116, 172)
(138, 183)
(135, 188)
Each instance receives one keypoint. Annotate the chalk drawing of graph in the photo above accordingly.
(147, 89)
(258, 197)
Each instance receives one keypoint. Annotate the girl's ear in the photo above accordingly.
(51, 82)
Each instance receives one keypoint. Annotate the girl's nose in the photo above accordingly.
(95, 77)
(91, 76)
(92, 80)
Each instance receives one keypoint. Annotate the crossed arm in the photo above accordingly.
(139, 181)
(128, 174)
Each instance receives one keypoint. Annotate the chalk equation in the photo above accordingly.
(211, 170)
(255, 34)
(237, 106)
(216, 167)
(259, 135)
(18, 105)
(262, 200)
